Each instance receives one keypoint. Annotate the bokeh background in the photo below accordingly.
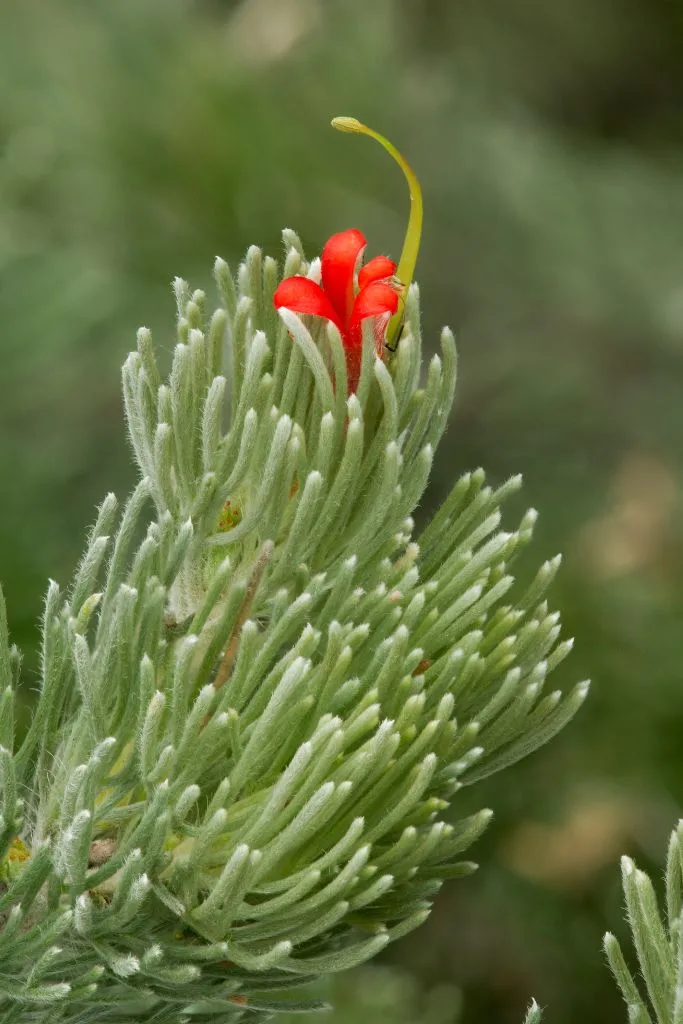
(139, 138)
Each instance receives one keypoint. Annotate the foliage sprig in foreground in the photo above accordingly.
(261, 692)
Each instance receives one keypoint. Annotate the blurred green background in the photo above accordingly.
(139, 138)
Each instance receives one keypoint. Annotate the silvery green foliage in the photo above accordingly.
(657, 941)
(260, 694)
(533, 1014)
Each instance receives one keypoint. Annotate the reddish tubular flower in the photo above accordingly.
(377, 293)
(343, 302)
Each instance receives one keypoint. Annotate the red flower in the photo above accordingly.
(338, 300)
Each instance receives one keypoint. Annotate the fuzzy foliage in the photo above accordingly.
(261, 693)
(657, 941)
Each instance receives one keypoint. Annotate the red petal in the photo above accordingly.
(375, 300)
(377, 269)
(302, 295)
(339, 259)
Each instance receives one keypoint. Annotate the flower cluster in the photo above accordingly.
(345, 298)
(350, 293)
